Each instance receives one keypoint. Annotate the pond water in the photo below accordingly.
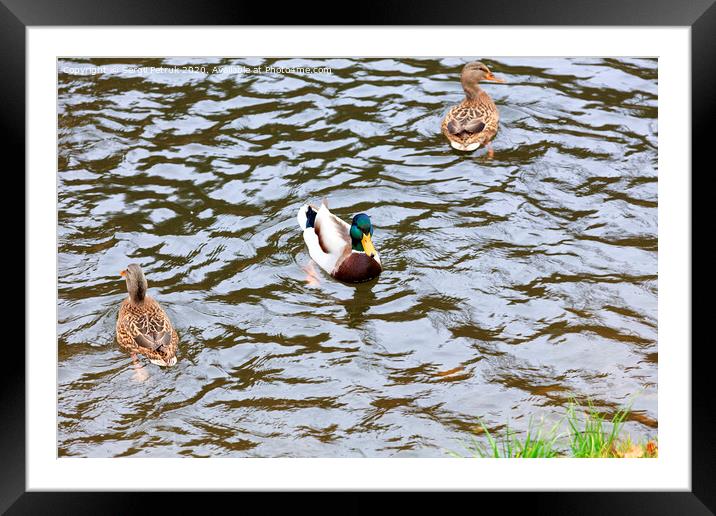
(511, 284)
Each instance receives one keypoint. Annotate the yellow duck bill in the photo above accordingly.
(368, 246)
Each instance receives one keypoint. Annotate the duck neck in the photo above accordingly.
(472, 90)
(138, 295)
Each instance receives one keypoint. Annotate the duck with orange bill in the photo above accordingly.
(473, 123)
(143, 326)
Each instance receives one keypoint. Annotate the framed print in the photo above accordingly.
(369, 257)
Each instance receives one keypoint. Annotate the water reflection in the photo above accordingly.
(357, 307)
(510, 284)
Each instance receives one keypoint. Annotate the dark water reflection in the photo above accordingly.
(510, 285)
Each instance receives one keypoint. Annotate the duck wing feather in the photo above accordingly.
(146, 326)
(333, 233)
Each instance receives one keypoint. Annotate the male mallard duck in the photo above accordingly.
(345, 251)
(474, 121)
(142, 325)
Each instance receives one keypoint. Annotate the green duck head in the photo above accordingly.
(361, 233)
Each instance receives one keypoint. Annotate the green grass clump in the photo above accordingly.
(511, 445)
(589, 434)
(594, 438)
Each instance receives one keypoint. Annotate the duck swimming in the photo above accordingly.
(474, 121)
(345, 251)
(142, 325)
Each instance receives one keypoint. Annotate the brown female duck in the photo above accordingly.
(142, 325)
(474, 121)
(345, 251)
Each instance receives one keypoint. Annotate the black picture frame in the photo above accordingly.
(17, 15)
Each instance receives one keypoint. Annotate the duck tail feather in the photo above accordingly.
(306, 216)
(310, 217)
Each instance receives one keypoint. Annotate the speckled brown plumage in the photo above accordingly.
(474, 122)
(142, 325)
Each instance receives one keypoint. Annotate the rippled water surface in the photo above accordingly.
(510, 284)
